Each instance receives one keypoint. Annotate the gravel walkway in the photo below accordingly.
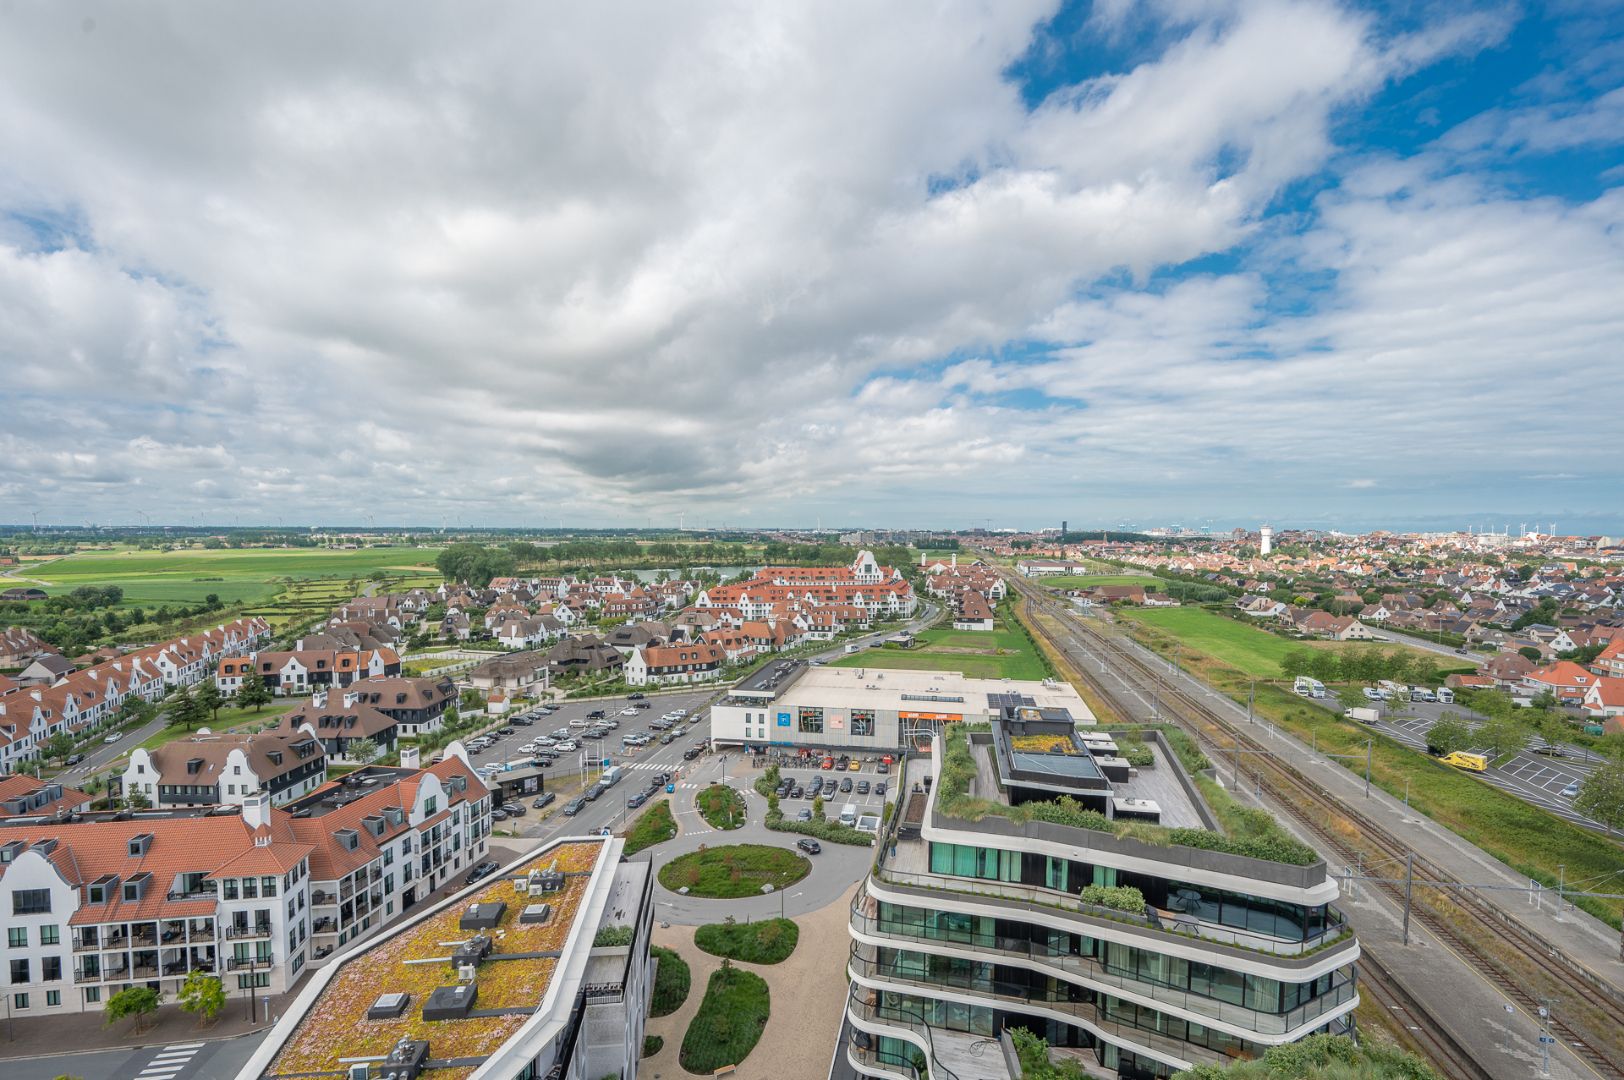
(808, 998)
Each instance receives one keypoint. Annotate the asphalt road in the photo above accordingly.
(214, 1060)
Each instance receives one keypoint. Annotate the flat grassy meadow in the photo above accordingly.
(1004, 653)
(237, 576)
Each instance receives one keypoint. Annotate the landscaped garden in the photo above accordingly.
(734, 870)
(729, 1022)
(769, 941)
(671, 981)
(722, 807)
(652, 826)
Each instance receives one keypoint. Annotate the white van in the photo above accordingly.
(1446, 695)
(848, 815)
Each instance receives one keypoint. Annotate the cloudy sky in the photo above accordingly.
(1183, 261)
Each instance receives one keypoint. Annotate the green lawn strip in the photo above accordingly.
(734, 870)
(1089, 581)
(654, 825)
(722, 807)
(1529, 840)
(769, 941)
(653, 1044)
(671, 981)
(1253, 651)
(729, 1022)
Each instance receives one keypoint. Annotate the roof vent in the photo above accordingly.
(450, 1002)
(483, 916)
(388, 1006)
(471, 952)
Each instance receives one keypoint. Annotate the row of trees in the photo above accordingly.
(201, 994)
(1360, 664)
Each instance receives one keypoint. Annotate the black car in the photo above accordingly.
(661, 778)
(845, 783)
(644, 705)
(504, 731)
(574, 806)
(523, 721)
(596, 714)
(635, 697)
(593, 792)
(809, 845)
(74, 759)
(798, 793)
(484, 869)
(499, 814)
(879, 788)
(514, 809)
(691, 753)
(543, 801)
(862, 787)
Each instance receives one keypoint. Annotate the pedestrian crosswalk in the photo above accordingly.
(169, 1061)
(647, 766)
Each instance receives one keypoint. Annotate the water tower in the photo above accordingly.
(1265, 539)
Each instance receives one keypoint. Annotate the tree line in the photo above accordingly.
(1360, 665)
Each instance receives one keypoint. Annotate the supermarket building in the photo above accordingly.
(791, 704)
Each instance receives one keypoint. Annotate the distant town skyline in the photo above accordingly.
(1340, 265)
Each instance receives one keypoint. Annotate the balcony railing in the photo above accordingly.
(859, 1005)
(87, 944)
(144, 971)
(1087, 1012)
(1149, 919)
(242, 963)
(327, 925)
(868, 1062)
(200, 933)
(82, 976)
(257, 930)
(320, 898)
(1090, 969)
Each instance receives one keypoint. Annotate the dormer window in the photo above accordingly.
(140, 845)
(194, 766)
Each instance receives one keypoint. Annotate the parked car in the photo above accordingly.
(569, 746)
(637, 800)
(882, 768)
(504, 731)
(499, 814)
(879, 788)
(523, 721)
(112, 736)
(635, 696)
(862, 787)
(574, 806)
(544, 800)
(514, 809)
(1571, 791)
(482, 870)
(803, 815)
(691, 753)
(596, 714)
(628, 712)
(809, 845)
(74, 759)
(845, 783)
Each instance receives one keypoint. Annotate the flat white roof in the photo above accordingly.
(900, 690)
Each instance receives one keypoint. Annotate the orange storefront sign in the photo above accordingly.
(931, 716)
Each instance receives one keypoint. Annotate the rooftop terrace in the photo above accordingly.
(510, 981)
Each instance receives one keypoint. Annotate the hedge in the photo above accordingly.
(671, 981)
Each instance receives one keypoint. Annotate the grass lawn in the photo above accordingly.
(236, 575)
(769, 941)
(231, 719)
(1004, 653)
(671, 981)
(734, 870)
(722, 807)
(1253, 651)
(652, 826)
(729, 1021)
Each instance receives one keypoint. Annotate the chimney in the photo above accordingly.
(256, 809)
(410, 756)
(318, 699)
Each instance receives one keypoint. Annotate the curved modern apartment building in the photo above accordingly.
(973, 924)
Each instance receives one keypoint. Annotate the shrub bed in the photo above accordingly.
(819, 828)
(722, 807)
(671, 982)
(769, 941)
(654, 825)
(734, 870)
(729, 1022)
(652, 1044)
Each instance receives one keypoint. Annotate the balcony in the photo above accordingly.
(144, 971)
(247, 963)
(1151, 919)
(870, 1062)
(87, 943)
(257, 930)
(80, 975)
(1087, 1013)
(322, 899)
(196, 933)
(1092, 971)
(325, 925)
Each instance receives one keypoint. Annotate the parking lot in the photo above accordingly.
(1538, 774)
(867, 803)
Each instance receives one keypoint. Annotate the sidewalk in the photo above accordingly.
(53, 1036)
(808, 1000)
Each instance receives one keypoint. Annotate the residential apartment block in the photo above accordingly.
(1124, 955)
(208, 769)
(251, 893)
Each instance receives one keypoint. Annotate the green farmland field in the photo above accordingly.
(237, 576)
(1256, 652)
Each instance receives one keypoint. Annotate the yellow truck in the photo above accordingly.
(1470, 762)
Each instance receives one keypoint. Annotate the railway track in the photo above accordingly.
(1315, 809)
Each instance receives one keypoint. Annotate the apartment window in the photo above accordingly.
(53, 998)
(258, 979)
(50, 969)
(267, 886)
(19, 970)
(811, 721)
(250, 888)
(19, 1002)
(31, 902)
(228, 888)
(17, 937)
(431, 805)
(92, 995)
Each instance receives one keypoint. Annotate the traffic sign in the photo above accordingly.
(1547, 1039)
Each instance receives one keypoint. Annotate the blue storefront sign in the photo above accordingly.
(783, 719)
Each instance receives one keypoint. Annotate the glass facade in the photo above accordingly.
(1249, 914)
